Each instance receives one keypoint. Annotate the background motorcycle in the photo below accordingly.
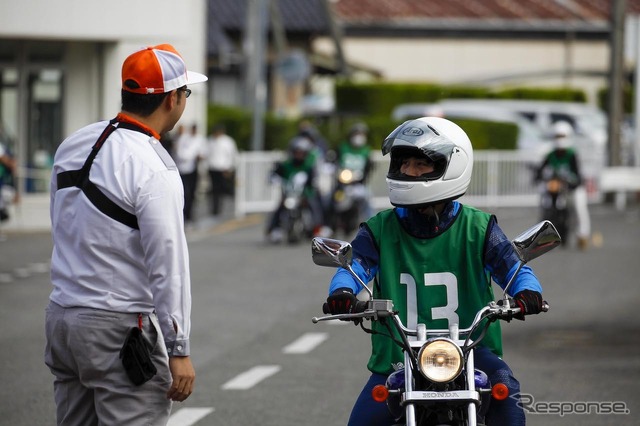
(295, 217)
(350, 201)
(438, 384)
(555, 201)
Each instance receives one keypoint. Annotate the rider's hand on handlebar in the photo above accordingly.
(341, 301)
(529, 301)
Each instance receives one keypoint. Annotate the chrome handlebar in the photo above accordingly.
(377, 308)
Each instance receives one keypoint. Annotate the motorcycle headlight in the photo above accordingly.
(440, 360)
(290, 203)
(346, 176)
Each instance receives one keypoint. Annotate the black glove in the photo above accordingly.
(529, 301)
(341, 301)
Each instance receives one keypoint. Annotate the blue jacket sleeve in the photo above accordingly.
(365, 264)
(525, 280)
(502, 262)
(343, 279)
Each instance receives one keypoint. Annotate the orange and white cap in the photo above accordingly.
(157, 69)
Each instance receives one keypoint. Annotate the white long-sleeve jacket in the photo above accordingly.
(100, 263)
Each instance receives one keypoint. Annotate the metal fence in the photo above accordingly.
(500, 179)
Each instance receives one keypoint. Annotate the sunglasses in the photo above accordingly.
(187, 92)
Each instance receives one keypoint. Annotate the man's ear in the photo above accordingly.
(171, 101)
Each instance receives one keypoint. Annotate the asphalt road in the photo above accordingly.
(260, 360)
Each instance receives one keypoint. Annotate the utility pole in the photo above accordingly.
(618, 8)
(636, 95)
(335, 31)
(254, 48)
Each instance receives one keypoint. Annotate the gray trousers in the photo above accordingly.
(91, 387)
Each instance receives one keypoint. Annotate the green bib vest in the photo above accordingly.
(559, 163)
(431, 281)
(354, 158)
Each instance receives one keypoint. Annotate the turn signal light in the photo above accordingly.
(380, 393)
(500, 391)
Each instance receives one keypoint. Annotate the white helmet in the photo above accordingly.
(446, 145)
(562, 134)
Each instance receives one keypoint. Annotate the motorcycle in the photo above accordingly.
(438, 383)
(350, 198)
(555, 201)
(295, 217)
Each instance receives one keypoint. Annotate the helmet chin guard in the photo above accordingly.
(445, 145)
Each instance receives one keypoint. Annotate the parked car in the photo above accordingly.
(587, 120)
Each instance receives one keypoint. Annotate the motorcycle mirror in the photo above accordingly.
(533, 243)
(536, 241)
(330, 252)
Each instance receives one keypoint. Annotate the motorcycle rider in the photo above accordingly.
(563, 162)
(353, 154)
(300, 161)
(434, 258)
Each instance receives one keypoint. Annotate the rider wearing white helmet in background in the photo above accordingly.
(563, 160)
(434, 258)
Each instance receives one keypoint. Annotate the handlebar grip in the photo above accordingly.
(360, 306)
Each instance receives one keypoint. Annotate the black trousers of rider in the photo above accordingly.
(222, 185)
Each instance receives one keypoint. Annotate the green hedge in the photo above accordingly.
(381, 98)
(483, 134)
(540, 94)
(489, 134)
(627, 99)
(278, 131)
(239, 125)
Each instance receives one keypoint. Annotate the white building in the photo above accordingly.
(60, 64)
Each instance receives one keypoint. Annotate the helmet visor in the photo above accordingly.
(417, 138)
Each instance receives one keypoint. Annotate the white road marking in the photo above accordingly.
(39, 268)
(305, 343)
(188, 416)
(21, 272)
(251, 377)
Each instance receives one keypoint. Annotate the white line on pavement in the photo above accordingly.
(22, 272)
(251, 377)
(188, 416)
(305, 343)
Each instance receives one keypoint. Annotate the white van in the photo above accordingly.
(588, 121)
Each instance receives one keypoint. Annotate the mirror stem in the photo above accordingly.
(353, 274)
(513, 278)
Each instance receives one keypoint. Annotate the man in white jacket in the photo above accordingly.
(222, 155)
(120, 262)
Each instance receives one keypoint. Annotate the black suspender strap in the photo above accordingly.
(80, 179)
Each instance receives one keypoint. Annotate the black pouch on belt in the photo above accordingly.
(136, 357)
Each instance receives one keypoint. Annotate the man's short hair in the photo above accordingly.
(143, 105)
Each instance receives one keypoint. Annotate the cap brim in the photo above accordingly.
(196, 77)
